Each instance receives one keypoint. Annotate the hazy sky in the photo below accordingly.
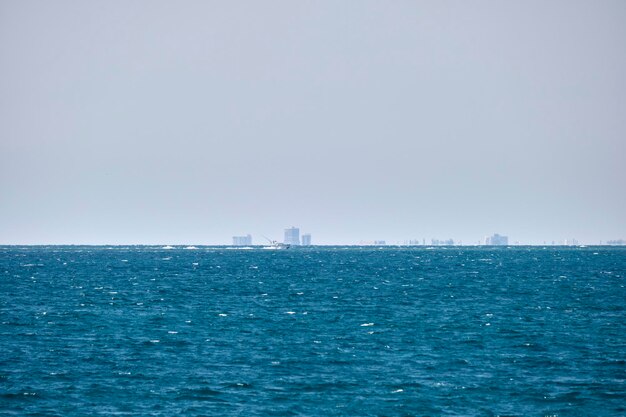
(193, 121)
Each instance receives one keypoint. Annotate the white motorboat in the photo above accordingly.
(274, 244)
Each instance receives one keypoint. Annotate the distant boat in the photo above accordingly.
(273, 244)
(277, 245)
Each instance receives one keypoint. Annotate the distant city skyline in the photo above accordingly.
(292, 237)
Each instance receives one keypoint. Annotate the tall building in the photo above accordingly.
(306, 239)
(242, 240)
(292, 236)
(497, 240)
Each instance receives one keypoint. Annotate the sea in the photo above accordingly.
(312, 331)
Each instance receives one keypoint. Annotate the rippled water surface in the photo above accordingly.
(312, 331)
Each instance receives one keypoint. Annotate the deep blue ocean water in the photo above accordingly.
(339, 331)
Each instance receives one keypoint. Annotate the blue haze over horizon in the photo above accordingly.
(190, 122)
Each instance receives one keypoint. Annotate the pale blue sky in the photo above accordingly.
(193, 121)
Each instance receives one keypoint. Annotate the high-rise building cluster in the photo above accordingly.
(292, 237)
(242, 240)
(446, 242)
(497, 240)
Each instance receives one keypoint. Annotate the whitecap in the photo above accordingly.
(168, 247)
(367, 324)
(191, 247)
